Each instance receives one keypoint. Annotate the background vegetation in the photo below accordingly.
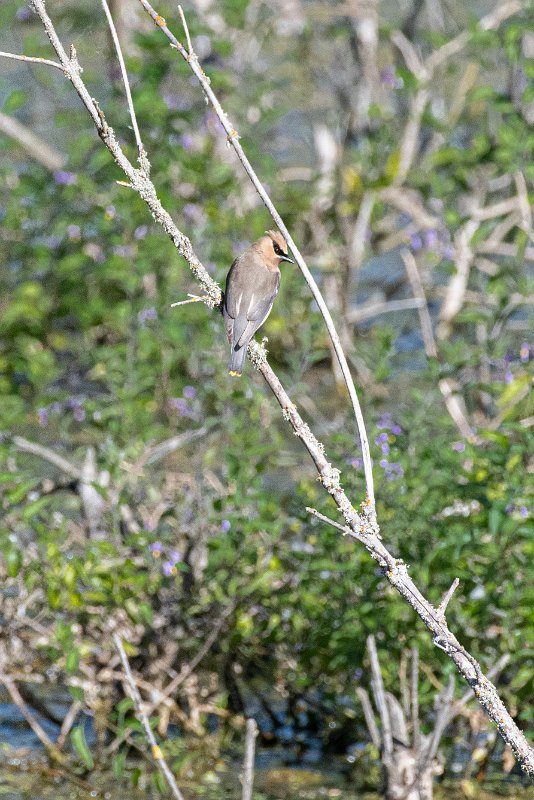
(213, 538)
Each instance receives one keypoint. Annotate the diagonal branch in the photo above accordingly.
(233, 139)
(142, 716)
(36, 147)
(32, 60)
(380, 702)
(131, 109)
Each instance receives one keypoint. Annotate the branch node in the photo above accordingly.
(447, 596)
(258, 353)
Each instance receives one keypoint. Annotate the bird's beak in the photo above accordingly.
(286, 258)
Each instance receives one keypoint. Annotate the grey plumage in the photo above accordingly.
(251, 287)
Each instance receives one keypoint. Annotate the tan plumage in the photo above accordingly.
(251, 286)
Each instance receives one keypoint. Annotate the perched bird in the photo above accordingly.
(251, 286)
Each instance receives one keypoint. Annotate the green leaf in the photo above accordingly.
(79, 743)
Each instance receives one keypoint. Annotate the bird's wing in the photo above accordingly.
(250, 292)
(263, 296)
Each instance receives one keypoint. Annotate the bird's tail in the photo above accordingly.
(237, 359)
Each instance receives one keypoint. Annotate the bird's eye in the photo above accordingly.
(277, 249)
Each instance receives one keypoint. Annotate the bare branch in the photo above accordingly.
(361, 313)
(233, 139)
(194, 298)
(403, 683)
(36, 147)
(489, 22)
(32, 60)
(447, 596)
(414, 704)
(247, 779)
(38, 730)
(133, 691)
(424, 315)
(68, 722)
(131, 109)
(186, 30)
(46, 454)
(138, 178)
(163, 449)
(357, 242)
(369, 717)
(380, 701)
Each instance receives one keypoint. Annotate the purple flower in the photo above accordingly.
(194, 213)
(79, 413)
(226, 525)
(381, 438)
(147, 314)
(431, 239)
(416, 243)
(458, 446)
(22, 14)
(394, 471)
(190, 392)
(187, 141)
(385, 449)
(508, 377)
(183, 408)
(357, 463)
(42, 414)
(141, 231)
(156, 548)
(524, 352)
(64, 178)
(385, 421)
(122, 250)
(388, 77)
(523, 512)
(55, 408)
(110, 212)
(396, 429)
(169, 569)
(175, 556)
(53, 242)
(73, 232)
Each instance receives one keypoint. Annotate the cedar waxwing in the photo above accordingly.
(251, 286)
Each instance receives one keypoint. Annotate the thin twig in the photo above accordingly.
(186, 29)
(369, 717)
(68, 722)
(193, 298)
(247, 779)
(163, 449)
(419, 292)
(33, 60)
(380, 701)
(41, 734)
(414, 704)
(37, 148)
(47, 454)
(447, 596)
(233, 139)
(157, 755)
(190, 667)
(361, 313)
(131, 109)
